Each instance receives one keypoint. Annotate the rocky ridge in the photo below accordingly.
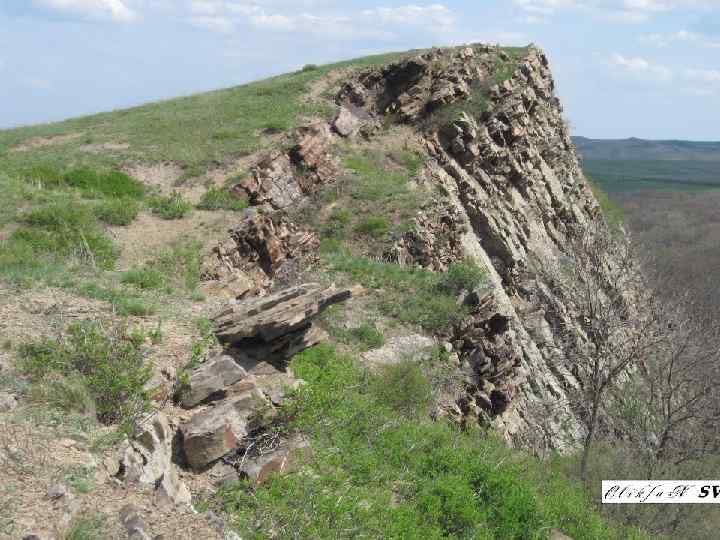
(514, 195)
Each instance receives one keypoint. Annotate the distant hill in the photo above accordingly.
(646, 150)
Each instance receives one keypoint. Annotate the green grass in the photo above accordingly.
(60, 229)
(108, 361)
(410, 296)
(172, 206)
(193, 131)
(176, 268)
(123, 302)
(381, 470)
(221, 199)
(122, 211)
(90, 527)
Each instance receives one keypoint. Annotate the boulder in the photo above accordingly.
(133, 524)
(147, 459)
(212, 433)
(270, 317)
(211, 380)
(288, 458)
(8, 402)
(273, 181)
(346, 123)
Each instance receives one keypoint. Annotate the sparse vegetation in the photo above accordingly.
(221, 199)
(90, 527)
(411, 296)
(108, 360)
(121, 211)
(172, 206)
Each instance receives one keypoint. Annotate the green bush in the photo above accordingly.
(180, 264)
(144, 278)
(462, 276)
(408, 295)
(403, 387)
(110, 361)
(48, 175)
(373, 226)
(87, 528)
(221, 199)
(170, 207)
(64, 229)
(108, 184)
(376, 473)
(310, 67)
(117, 211)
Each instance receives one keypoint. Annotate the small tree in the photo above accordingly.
(613, 328)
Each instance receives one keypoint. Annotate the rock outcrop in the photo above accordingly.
(515, 195)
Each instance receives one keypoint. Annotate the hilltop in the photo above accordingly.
(319, 306)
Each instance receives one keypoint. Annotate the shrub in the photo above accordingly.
(117, 211)
(144, 278)
(180, 264)
(221, 199)
(87, 528)
(309, 67)
(381, 474)
(109, 184)
(64, 229)
(48, 175)
(462, 276)
(171, 207)
(124, 303)
(403, 387)
(110, 361)
(367, 336)
(374, 226)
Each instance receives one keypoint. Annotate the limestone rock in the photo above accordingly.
(212, 433)
(211, 380)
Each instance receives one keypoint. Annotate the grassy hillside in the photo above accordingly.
(103, 306)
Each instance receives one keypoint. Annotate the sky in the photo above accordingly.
(642, 68)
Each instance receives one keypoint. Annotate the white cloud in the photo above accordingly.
(711, 76)
(640, 68)
(116, 10)
(375, 23)
(617, 11)
(213, 23)
(433, 15)
(681, 36)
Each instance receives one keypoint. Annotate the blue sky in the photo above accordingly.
(644, 68)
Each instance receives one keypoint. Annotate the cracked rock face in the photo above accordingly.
(515, 193)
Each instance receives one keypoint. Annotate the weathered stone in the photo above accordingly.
(131, 520)
(276, 315)
(346, 123)
(210, 380)
(414, 347)
(56, 491)
(8, 402)
(288, 458)
(147, 459)
(212, 433)
(257, 249)
(558, 535)
(222, 473)
(272, 181)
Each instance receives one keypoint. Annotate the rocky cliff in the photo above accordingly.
(509, 194)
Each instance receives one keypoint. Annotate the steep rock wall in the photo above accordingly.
(515, 196)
